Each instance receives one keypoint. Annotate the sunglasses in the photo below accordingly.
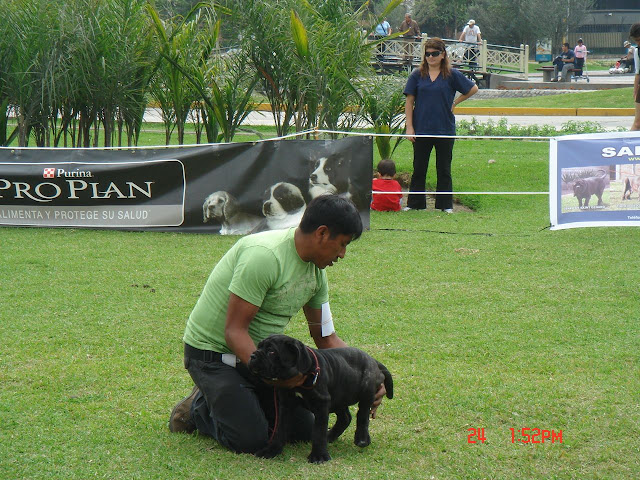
(432, 54)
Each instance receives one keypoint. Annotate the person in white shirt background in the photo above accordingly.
(471, 34)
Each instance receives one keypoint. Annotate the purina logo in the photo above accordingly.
(61, 172)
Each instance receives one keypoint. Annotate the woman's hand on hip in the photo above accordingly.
(410, 134)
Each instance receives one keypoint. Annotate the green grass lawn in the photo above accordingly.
(485, 318)
(613, 98)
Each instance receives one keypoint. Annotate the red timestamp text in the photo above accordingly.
(519, 435)
(535, 435)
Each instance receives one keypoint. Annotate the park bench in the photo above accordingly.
(478, 77)
(547, 73)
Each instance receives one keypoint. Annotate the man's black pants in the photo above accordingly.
(237, 409)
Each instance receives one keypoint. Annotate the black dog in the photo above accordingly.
(335, 379)
(585, 187)
(631, 184)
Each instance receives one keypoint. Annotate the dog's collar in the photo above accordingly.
(312, 377)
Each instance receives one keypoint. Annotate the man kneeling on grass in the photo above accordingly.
(253, 292)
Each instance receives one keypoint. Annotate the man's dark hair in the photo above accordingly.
(338, 214)
(635, 31)
(386, 167)
(566, 45)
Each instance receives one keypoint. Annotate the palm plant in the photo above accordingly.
(5, 65)
(382, 106)
(30, 26)
(267, 43)
(169, 87)
(330, 55)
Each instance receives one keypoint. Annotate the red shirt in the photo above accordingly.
(386, 203)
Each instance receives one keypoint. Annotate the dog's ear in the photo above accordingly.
(205, 211)
(304, 362)
(229, 208)
(289, 197)
(295, 354)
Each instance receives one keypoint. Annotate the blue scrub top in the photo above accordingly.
(432, 113)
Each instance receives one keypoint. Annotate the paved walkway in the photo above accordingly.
(610, 121)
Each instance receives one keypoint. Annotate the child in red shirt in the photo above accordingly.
(386, 183)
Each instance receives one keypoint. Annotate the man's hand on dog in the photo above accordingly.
(376, 403)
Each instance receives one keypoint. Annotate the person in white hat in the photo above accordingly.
(627, 60)
(471, 33)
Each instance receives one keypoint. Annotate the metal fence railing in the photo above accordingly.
(405, 53)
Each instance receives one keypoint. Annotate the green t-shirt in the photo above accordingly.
(265, 270)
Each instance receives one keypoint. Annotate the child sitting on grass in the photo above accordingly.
(386, 183)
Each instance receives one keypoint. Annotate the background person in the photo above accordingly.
(410, 25)
(383, 28)
(253, 291)
(563, 63)
(580, 52)
(634, 33)
(471, 34)
(628, 60)
(386, 183)
(430, 99)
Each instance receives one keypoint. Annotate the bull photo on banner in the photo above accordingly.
(594, 180)
(230, 189)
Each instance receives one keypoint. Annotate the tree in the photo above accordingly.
(512, 22)
(306, 53)
(441, 18)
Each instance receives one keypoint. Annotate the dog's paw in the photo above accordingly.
(319, 457)
(362, 438)
(269, 451)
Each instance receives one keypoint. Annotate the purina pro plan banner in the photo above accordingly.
(236, 188)
(594, 180)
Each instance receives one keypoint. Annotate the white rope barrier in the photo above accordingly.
(338, 132)
(404, 135)
(460, 193)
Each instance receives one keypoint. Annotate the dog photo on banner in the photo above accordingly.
(230, 189)
(287, 175)
(594, 180)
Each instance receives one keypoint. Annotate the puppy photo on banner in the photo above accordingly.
(594, 180)
(228, 189)
(272, 188)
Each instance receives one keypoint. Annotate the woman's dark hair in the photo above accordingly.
(435, 43)
(338, 214)
(635, 31)
(387, 167)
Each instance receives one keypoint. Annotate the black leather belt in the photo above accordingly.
(204, 355)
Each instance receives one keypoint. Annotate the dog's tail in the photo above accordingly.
(627, 188)
(388, 380)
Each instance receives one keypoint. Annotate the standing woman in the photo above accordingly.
(430, 93)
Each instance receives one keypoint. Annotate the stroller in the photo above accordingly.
(581, 70)
(621, 67)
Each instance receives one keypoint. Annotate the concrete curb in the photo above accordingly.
(536, 111)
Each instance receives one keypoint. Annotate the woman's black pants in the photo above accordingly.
(444, 154)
